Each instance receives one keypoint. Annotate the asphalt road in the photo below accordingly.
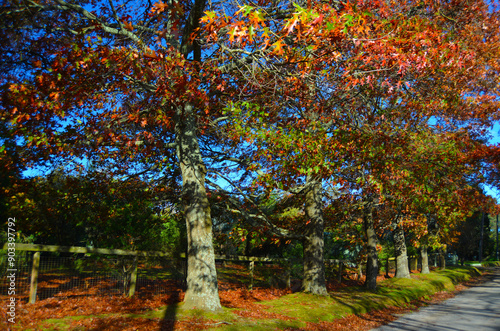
(475, 309)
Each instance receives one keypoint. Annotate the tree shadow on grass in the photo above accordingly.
(170, 317)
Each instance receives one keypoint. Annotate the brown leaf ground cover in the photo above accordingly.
(75, 310)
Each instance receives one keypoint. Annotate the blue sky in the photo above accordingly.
(495, 139)
(495, 132)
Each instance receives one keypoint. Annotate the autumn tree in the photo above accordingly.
(325, 69)
(121, 84)
(139, 89)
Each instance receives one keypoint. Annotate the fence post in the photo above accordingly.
(251, 267)
(34, 276)
(133, 279)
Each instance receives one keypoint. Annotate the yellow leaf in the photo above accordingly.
(278, 47)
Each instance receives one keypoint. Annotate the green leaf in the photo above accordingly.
(251, 32)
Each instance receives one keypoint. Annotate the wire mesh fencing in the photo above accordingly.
(23, 264)
(57, 271)
(92, 275)
(65, 274)
(70, 275)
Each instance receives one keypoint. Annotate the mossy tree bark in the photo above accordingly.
(372, 263)
(442, 260)
(202, 291)
(314, 266)
(402, 269)
(425, 260)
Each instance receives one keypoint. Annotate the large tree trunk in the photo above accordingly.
(442, 260)
(372, 264)
(314, 266)
(202, 291)
(402, 270)
(425, 259)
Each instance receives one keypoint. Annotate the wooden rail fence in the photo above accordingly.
(36, 248)
(339, 264)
